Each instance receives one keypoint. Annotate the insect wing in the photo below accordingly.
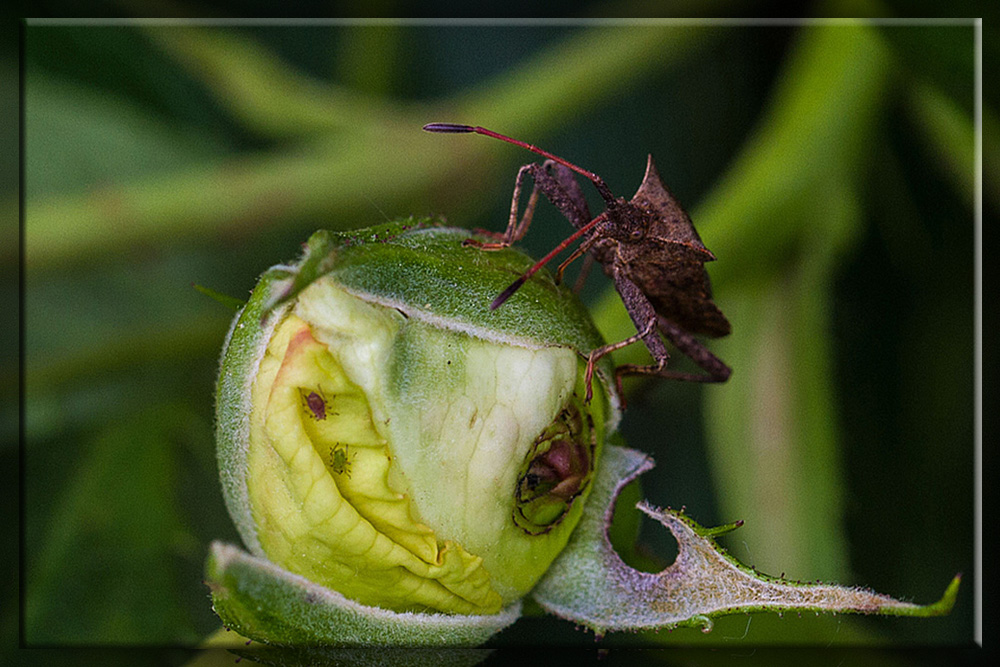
(670, 269)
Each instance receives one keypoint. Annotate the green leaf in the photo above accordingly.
(80, 139)
(110, 551)
(949, 132)
(590, 585)
(261, 601)
(116, 315)
(283, 187)
(260, 90)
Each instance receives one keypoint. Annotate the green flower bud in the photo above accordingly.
(385, 435)
(404, 464)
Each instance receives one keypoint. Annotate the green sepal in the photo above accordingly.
(230, 302)
(420, 267)
(242, 351)
(266, 603)
(590, 585)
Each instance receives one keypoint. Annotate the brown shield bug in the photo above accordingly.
(647, 245)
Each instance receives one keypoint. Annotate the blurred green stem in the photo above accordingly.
(827, 105)
(950, 135)
(328, 178)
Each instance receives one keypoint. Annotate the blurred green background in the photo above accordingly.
(829, 166)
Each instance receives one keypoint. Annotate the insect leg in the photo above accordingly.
(715, 369)
(516, 285)
(643, 317)
(608, 349)
(695, 350)
(516, 230)
(576, 211)
(580, 249)
(558, 185)
(566, 194)
(642, 313)
(581, 278)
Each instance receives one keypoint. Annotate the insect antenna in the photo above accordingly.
(598, 182)
(516, 285)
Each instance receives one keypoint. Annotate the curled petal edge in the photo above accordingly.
(590, 585)
(266, 603)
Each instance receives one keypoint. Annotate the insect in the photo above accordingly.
(317, 405)
(649, 248)
(340, 459)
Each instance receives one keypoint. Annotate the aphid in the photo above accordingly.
(340, 459)
(647, 246)
(317, 405)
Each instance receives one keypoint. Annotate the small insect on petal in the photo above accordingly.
(340, 460)
(316, 405)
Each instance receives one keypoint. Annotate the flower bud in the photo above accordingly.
(385, 435)
(390, 445)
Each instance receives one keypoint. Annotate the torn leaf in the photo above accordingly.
(589, 583)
